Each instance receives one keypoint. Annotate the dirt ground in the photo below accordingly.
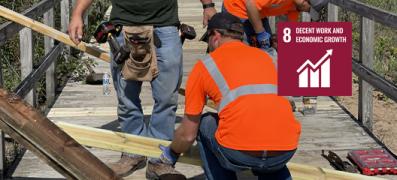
(384, 114)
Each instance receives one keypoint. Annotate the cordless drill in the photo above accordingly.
(107, 32)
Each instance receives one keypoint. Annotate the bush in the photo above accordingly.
(65, 65)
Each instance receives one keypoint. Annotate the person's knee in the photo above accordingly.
(208, 124)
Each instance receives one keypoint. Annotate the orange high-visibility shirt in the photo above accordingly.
(250, 122)
(265, 7)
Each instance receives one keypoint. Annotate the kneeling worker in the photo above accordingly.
(254, 128)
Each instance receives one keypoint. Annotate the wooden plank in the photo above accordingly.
(2, 147)
(370, 12)
(65, 18)
(306, 17)
(26, 55)
(388, 88)
(50, 73)
(29, 81)
(272, 23)
(51, 32)
(29, 145)
(9, 29)
(122, 142)
(49, 138)
(2, 155)
(365, 109)
(332, 13)
(96, 111)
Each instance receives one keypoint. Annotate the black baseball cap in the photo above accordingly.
(316, 6)
(223, 21)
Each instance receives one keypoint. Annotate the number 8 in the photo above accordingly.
(287, 35)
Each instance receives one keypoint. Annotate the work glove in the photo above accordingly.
(168, 156)
(263, 39)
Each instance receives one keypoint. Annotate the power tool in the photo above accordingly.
(107, 32)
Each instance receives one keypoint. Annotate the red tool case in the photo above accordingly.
(374, 161)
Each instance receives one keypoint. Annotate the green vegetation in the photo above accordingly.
(385, 39)
(66, 64)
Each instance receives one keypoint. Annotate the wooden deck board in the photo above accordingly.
(330, 128)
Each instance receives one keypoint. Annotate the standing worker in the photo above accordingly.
(254, 128)
(142, 21)
(253, 13)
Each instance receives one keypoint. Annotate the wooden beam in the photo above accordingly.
(65, 18)
(380, 83)
(332, 13)
(365, 109)
(51, 32)
(35, 150)
(49, 138)
(122, 142)
(50, 72)
(370, 12)
(9, 29)
(30, 80)
(26, 55)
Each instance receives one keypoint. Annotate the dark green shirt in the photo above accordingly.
(145, 12)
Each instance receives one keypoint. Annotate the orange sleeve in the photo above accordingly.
(195, 94)
(293, 16)
(260, 4)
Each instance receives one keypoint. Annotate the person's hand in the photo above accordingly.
(207, 15)
(76, 29)
(263, 39)
(168, 156)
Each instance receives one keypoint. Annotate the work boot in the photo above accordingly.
(127, 165)
(162, 171)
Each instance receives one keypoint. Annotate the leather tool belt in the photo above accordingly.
(142, 62)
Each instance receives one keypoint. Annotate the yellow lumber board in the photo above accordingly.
(117, 141)
(97, 111)
(51, 32)
(122, 142)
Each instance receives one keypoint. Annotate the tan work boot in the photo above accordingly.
(127, 165)
(161, 171)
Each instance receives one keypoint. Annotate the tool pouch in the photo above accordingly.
(142, 62)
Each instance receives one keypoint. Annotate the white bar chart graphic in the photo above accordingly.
(316, 75)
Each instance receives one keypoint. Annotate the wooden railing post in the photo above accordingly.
(65, 16)
(272, 23)
(2, 147)
(332, 13)
(306, 17)
(365, 108)
(26, 53)
(48, 45)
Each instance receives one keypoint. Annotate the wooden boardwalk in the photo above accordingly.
(330, 128)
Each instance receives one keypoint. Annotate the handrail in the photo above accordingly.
(28, 83)
(10, 29)
(375, 80)
(368, 11)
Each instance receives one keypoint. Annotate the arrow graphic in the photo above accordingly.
(314, 66)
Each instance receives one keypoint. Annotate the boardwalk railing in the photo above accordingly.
(53, 50)
(362, 67)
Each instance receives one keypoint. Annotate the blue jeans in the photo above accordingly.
(164, 90)
(222, 163)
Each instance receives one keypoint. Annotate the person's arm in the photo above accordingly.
(207, 12)
(76, 23)
(254, 16)
(184, 137)
(185, 134)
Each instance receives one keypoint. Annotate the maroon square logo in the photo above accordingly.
(314, 59)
